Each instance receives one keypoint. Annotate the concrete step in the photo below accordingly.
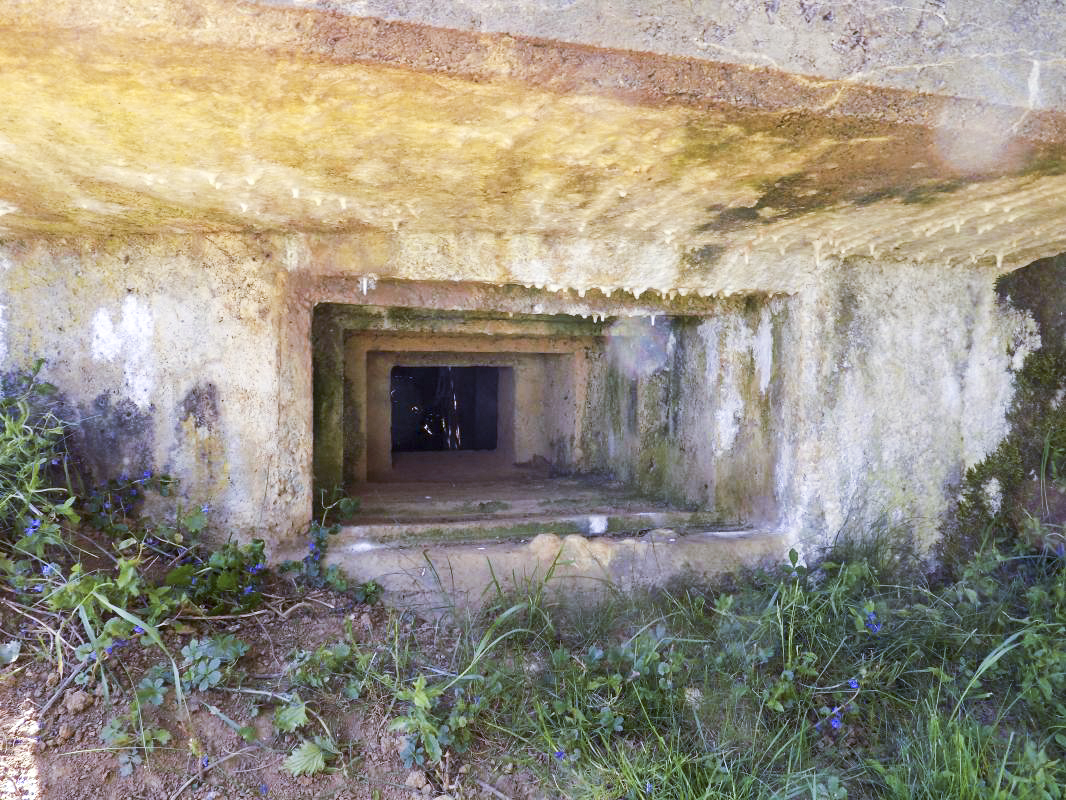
(440, 577)
(499, 526)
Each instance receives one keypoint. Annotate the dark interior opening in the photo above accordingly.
(444, 408)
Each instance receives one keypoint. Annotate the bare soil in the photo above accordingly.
(58, 754)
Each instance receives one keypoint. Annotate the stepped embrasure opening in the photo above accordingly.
(501, 424)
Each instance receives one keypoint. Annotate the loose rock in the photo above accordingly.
(416, 779)
(75, 701)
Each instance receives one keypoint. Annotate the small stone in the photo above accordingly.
(66, 730)
(75, 701)
(427, 790)
(661, 535)
(465, 768)
(443, 797)
(52, 679)
(416, 779)
(365, 622)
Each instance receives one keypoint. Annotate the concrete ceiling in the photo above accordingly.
(200, 116)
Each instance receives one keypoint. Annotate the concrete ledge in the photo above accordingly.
(438, 578)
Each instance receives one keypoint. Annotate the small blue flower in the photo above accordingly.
(133, 492)
(150, 540)
(263, 789)
(560, 755)
(248, 589)
(138, 629)
(204, 509)
(38, 588)
(205, 761)
(107, 506)
(854, 684)
(835, 723)
(46, 569)
(648, 787)
(109, 648)
(146, 474)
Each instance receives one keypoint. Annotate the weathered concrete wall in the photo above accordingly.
(688, 408)
(167, 352)
(865, 392)
(897, 379)
(861, 399)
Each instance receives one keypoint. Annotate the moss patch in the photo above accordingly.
(993, 496)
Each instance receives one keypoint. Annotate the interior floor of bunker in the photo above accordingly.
(514, 504)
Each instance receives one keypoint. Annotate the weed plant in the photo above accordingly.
(89, 577)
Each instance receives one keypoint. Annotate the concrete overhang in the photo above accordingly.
(205, 116)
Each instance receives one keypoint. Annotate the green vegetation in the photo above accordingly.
(91, 580)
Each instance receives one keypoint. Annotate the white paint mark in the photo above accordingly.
(132, 338)
(1034, 84)
(344, 203)
(7, 208)
(105, 342)
(137, 328)
(362, 546)
(597, 524)
(5, 262)
(296, 192)
(763, 350)
(292, 254)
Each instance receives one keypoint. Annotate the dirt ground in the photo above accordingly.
(59, 755)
